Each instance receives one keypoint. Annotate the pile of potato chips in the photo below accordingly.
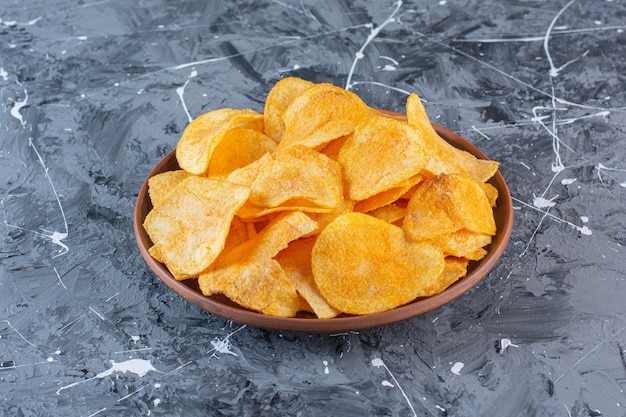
(320, 204)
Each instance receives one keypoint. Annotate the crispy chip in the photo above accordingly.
(260, 285)
(321, 114)
(249, 276)
(238, 148)
(463, 244)
(278, 99)
(391, 213)
(491, 192)
(301, 175)
(160, 185)
(445, 158)
(364, 265)
(200, 138)
(296, 262)
(381, 154)
(453, 270)
(446, 204)
(190, 226)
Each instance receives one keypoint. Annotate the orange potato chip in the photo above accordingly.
(445, 158)
(491, 192)
(381, 199)
(238, 148)
(364, 265)
(446, 204)
(190, 225)
(250, 277)
(381, 154)
(391, 213)
(200, 138)
(296, 262)
(321, 114)
(278, 99)
(453, 270)
(260, 285)
(161, 184)
(463, 244)
(298, 175)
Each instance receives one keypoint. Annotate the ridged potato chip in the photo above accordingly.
(363, 265)
(162, 184)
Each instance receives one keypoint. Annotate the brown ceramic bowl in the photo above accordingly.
(223, 307)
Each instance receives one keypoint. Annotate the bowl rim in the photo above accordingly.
(215, 305)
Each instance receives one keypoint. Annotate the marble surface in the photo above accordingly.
(94, 93)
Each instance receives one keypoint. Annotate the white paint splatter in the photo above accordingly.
(584, 219)
(541, 202)
(224, 345)
(139, 367)
(4, 74)
(568, 181)
(377, 362)
(386, 383)
(505, 344)
(326, 370)
(17, 106)
(457, 367)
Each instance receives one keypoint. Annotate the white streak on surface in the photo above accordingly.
(377, 362)
(374, 32)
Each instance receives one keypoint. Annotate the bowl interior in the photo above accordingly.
(221, 306)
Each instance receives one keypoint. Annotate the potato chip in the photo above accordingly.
(453, 270)
(200, 138)
(381, 154)
(463, 244)
(278, 99)
(363, 265)
(491, 192)
(238, 148)
(189, 227)
(296, 262)
(260, 285)
(250, 277)
(391, 213)
(445, 158)
(446, 204)
(321, 114)
(160, 185)
(298, 175)
(381, 199)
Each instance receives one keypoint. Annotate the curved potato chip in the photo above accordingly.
(463, 244)
(364, 265)
(298, 175)
(446, 204)
(453, 270)
(278, 99)
(260, 285)
(160, 185)
(189, 227)
(238, 148)
(380, 154)
(200, 138)
(445, 158)
(295, 260)
(321, 114)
